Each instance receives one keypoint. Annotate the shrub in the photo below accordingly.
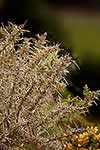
(33, 113)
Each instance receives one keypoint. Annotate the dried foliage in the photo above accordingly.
(32, 112)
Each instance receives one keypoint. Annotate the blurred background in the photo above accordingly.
(73, 23)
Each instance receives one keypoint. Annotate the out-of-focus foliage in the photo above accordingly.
(40, 15)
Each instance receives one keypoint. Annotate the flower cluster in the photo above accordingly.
(88, 140)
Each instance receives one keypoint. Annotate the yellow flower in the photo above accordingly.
(82, 148)
(92, 129)
(97, 137)
(79, 145)
(82, 139)
(65, 146)
(69, 146)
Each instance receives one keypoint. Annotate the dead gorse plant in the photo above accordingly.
(32, 112)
